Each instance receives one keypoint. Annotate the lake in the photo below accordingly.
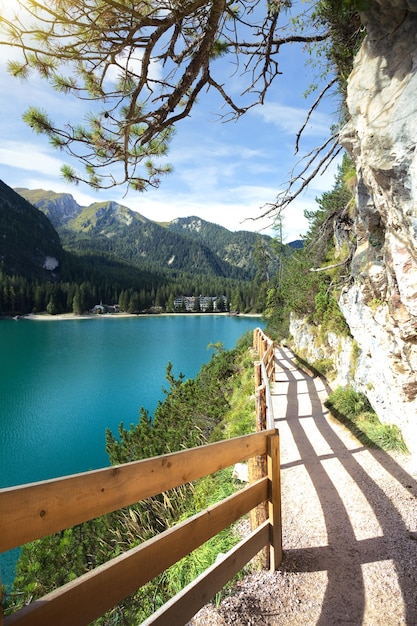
(62, 383)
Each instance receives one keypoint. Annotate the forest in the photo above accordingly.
(129, 269)
(141, 293)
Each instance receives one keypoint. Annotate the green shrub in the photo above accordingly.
(208, 491)
(349, 403)
(385, 436)
(354, 410)
(323, 366)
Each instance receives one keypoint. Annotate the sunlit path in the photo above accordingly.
(341, 522)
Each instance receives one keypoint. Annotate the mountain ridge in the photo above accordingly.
(39, 252)
(184, 244)
(108, 253)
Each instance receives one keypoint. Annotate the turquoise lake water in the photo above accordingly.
(63, 382)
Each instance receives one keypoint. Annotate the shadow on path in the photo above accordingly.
(344, 556)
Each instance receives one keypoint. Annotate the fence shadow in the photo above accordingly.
(344, 556)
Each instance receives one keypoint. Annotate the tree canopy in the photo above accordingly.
(143, 65)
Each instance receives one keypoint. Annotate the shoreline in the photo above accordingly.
(89, 316)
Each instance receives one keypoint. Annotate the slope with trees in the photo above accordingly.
(115, 230)
(311, 277)
(237, 248)
(27, 239)
(90, 271)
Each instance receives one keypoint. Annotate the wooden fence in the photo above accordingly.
(33, 511)
(264, 375)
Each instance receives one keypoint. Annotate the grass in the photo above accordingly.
(354, 410)
(320, 367)
(239, 419)
(208, 491)
(325, 367)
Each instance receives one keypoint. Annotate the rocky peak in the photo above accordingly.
(60, 208)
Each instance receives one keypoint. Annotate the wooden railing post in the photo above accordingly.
(258, 374)
(260, 402)
(258, 466)
(256, 337)
(274, 504)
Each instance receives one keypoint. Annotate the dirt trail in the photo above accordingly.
(349, 524)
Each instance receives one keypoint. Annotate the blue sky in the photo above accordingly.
(223, 172)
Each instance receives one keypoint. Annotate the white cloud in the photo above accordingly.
(29, 157)
(231, 215)
(226, 149)
(194, 191)
(290, 119)
(236, 208)
(133, 62)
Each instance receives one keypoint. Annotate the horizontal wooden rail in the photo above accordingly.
(186, 603)
(72, 603)
(33, 511)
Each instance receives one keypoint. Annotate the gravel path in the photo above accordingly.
(349, 525)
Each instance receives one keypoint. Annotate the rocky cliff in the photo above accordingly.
(380, 301)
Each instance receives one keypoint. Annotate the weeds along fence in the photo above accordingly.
(29, 512)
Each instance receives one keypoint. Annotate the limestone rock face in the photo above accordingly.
(380, 304)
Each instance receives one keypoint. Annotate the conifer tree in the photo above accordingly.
(144, 65)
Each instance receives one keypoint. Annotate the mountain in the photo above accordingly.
(185, 244)
(105, 253)
(30, 245)
(297, 244)
(127, 236)
(59, 208)
(236, 248)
